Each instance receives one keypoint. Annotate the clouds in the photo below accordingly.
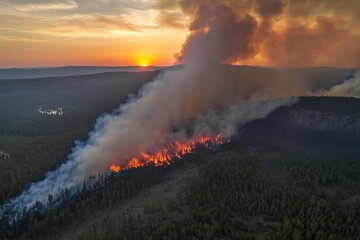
(81, 6)
(114, 6)
(118, 13)
(41, 5)
(82, 32)
(171, 19)
(129, 27)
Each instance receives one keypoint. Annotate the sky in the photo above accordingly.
(83, 32)
(279, 33)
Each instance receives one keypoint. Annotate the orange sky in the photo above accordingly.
(151, 49)
(135, 32)
(69, 32)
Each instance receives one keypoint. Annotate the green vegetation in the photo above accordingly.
(236, 195)
(307, 189)
(37, 143)
(290, 197)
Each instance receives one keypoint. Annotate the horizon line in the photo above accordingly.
(166, 66)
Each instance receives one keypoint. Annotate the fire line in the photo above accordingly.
(167, 153)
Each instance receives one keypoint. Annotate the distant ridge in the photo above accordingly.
(28, 73)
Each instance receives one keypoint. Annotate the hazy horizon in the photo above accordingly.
(166, 66)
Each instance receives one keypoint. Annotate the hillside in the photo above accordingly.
(327, 124)
(248, 189)
(319, 133)
(162, 199)
(35, 143)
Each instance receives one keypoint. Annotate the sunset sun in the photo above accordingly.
(143, 61)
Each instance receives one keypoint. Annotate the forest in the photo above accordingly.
(37, 143)
(270, 194)
(278, 178)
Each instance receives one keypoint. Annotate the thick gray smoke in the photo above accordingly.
(208, 97)
(193, 95)
(272, 32)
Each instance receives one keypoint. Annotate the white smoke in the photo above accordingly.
(191, 95)
(349, 88)
(227, 122)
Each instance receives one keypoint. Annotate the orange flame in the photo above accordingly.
(167, 153)
(115, 168)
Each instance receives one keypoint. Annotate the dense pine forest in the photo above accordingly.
(293, 175)
(270, 194)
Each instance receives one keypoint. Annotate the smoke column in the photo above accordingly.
(303, 33)
(201, 94)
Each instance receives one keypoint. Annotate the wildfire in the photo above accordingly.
(167, 153)
(115, 168)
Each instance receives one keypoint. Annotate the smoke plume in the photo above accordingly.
(193, 95)
(350, 87)
(273, 32)
(202, 95)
